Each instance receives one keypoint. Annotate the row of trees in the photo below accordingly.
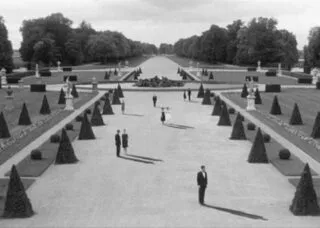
(51, 39)
(242, 44)
(312, 50)
(166, 49)
(5, 48)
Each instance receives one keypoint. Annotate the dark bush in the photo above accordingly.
(273, 88)
(318, 85)
(305, 80)
(248, 78)
(69, 127)
(271, 73)
(45, 73)
(38, 88)
(284, 154)
(36, 154)
(88, 111)
(21, 74)
(79, 118)
(251, 126)
(66, 68)
(72, 78)
(231, 111)
(252, 69)
(266, 137)
(13, 80)
(55, 138)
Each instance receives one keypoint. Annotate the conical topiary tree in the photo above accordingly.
(206, 98)
(86, 131)
(120, 93)
(258, 152)
(238, 130)
(24, 118)
(295, 118)
(275, 108)
(65, 153)
(316, 127)
(115, 98)
(107, 108)
(178, 72)
(62, 97)
(217, 107)
(244, 92)
(239, 117)
(200, 91)
(4, 130)
(96, 119)
(17, 203)
(224, 117)
(257, 97)
(305, 199)
(74, 91)
(45, 108)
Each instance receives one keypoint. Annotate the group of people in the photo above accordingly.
(202, 177)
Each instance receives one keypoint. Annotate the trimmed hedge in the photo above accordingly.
(38, 88)
(72, 78)
(88, 111)
(284, 154)
(69, 127)
(55, 138)
(271, 73)
(66, 69)
(231, 111)
(21, 74)
(36, 154)
(248, 78)
(266, 137)
(296, 74)
(251, 126)
(13, 80)
(273, 88)
(45, 73)
(305, 80)
(252, 69)
(79, 118)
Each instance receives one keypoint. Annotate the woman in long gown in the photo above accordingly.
(163, 116)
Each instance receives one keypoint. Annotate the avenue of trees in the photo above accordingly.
(166, 49)
(242, 44)
(312, 50)
(51, 39)
(5, 48)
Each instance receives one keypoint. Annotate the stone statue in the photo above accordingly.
(69, 86)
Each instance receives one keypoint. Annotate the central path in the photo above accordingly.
(160, 66)
(156, 186)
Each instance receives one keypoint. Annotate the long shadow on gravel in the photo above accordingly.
(235, 212)
(143, 157)
(136, 160)
(178, 126)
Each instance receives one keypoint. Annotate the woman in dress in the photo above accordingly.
(163, 116)
(122, 106)
(184, 95)
(124, 137)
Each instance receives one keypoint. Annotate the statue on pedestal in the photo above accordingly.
(251, 97)
(37, 71)
(69, 97)
(59, 68)
(279, 69)
(259, 66)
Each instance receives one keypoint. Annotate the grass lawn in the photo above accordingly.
(83, 77)
(292, 167)
(239, 77)
(308, 102)
(34, 168)
(33, 101)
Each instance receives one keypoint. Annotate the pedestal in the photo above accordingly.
(251, 103)
(314, 80)
(94, 87)
(21, 84)
(198, 74)
(69, 102)
(4, 80)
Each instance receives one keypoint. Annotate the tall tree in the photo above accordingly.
(313, 48)
(5, 48)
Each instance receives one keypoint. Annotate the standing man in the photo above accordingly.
(118, 142)
(154, 98)
(189, 94)
(202, 180)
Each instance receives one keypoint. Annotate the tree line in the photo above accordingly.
(51, 39)
(242, 44)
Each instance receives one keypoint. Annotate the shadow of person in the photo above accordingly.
(143, 157)
(235, 212)
(136, 160)
(178, 126)
(132, 114)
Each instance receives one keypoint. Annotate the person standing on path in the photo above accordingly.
(163, 116)
(123, 107)
(189, 94)
(184, 95)
(118, 142)
(154, 98)
(124, 140)
(202, 180)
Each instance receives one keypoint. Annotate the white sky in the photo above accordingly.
(157, 21)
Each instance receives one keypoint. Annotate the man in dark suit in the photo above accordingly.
(202, 180)
(189, 94)
(118, 142)
(154, 98)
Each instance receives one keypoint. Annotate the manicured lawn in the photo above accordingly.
(33, 101)
(308, 102)
(239, 77)
(292, 167)
(83, 77)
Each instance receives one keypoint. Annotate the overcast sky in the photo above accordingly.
(157, 21)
